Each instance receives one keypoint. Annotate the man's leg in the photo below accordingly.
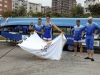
(75, 48)
(81, 48)
(92, 53)
(92, 48)
(89, 53)
(88, 48)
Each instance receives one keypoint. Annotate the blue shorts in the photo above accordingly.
(90, 42)
(77, 40)
(47, 37)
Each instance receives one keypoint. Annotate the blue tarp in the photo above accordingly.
(57, 21)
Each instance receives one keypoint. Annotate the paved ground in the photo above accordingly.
(19, 62)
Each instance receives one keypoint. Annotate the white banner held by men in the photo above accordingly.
(35, 45)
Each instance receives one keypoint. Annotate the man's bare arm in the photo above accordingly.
(56, 27)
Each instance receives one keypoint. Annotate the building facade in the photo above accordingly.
(87, 3)
(47, 9)
(28, 5)
(5, 5)
(42, 9)
(17, 3)
(63, 6)
(34, 7)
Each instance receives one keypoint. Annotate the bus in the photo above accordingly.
(66, 24)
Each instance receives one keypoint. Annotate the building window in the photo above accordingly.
(88, 5)
(0, 9)
(16, 3)
(0, 4)
(86, 10)
(36, 9)
(5, 5)
(5, 1)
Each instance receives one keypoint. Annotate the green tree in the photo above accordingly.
(77, 11)
(55, 14)
(22, 11)
(39, 14)
(94, 9)
(30, 13)
(6, 13)
(86, 15)
(14, 13)
(73, 11)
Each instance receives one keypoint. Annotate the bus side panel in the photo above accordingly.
(11, 36)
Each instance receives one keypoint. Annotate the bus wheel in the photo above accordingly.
(70, 48)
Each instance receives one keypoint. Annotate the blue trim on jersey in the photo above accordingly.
(38, 28)
(76, 31)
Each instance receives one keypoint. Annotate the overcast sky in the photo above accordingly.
(48, 2)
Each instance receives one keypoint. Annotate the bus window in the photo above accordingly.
(56, 32)
(69, 30)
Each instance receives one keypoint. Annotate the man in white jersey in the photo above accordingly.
(77, 34)
(38, 28)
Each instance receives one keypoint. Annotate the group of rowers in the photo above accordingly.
(89, 29)
(45, 32)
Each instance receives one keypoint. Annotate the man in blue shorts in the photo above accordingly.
(48, 29)
(38, 28)
(77, 34)
(90, 28)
